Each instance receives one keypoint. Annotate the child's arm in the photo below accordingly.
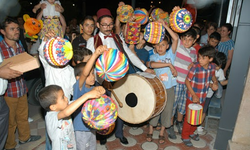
(173, 35)
(152, 64)
(63, 22)
(223, 83)
(36, 8)
(96, 92)
(59, 8)
(214, 85)
(190, 89)
(86, 70)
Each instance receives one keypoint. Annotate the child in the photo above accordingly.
(185, 55)
(81, 55)
(214, 39)
(52, 15)
(210, 28)
(85, 79)
(58, 122)
(162, 62)
(198, 82)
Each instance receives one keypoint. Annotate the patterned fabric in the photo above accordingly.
(106, 131)
(133, 33)
(200, 79)
(224, 47)
(51, 24)
(180, 91)
(154, 32)
(125, 12)
(58, 51)
(180, 20)
(155, 13)
(184, 57)
(100, 113)
(16, 87)
(141, 16)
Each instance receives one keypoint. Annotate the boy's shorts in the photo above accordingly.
(180, 91)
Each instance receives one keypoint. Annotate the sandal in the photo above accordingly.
(158, 127)
(195, 137)
(161, 138)
(149, 137)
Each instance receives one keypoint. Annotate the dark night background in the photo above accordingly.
(80, 8)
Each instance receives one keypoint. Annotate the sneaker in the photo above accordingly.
(195, 137)
(179, 126)
(187, 142)
(30, 120)
(31, 139)
(201, 131)
(171, 133)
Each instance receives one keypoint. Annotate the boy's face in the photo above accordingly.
(88, 27)
(217, 67)
(187, 41)
(204, 61)
(161, 47)
(90, 80)
(213, 42)
(61, 103)
(210, 30)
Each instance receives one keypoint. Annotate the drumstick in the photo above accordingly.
(117, 99)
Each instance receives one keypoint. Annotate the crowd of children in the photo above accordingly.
(191, 67)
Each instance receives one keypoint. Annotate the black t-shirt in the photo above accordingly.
(79, 42)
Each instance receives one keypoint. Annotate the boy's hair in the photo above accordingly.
(200, 24)
(7, 21)
(198, 32)
(167, 39)
(48, 96)
(87, 18)
(220, 59)
(215, 35)
(79, 68)
(189, 33)
(208, 51)
(212, 24)
(80, 53)
(228, 26)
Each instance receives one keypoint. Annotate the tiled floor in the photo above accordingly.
(136, 137)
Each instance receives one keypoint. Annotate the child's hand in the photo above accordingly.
(150, 71)
(176, 8)
(73, 36)
(131, 19)
(161, 21)
(190, 66)
(49, 35)
(97, 92)
(121, 3)
(214, 86)
(43, 6)
(100, 49)
(196, 99)
(173, 70)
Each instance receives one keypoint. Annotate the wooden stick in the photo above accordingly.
(117, 99)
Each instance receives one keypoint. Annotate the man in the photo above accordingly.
(105, 37)
(16, 93)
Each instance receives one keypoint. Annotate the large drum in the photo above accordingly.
(141, 98)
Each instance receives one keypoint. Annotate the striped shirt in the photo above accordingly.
(224, 47)
(199, 79)
(16, 87)
(184, 57)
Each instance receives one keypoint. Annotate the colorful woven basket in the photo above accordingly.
(100, 113)
(132, 35)
(154, 32)
(112, 65)
(141, 16)
(58, 51)
(194, 114)
(106, 131)
(124, 12)
(155, 13)
(180, 20)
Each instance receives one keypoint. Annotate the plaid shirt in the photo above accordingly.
(199, 79)
(16, 87)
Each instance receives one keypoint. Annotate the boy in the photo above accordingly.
(185, 55)
(85, 79)
(198, 82)
(214, 39)
(58, 122)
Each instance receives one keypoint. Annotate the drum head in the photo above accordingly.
(138, 98)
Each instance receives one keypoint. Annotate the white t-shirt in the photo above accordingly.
(61, 132)
(219, 74)
(61, 76)
(3, 82)
(50, 10)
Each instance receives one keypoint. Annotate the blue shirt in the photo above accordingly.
(165, 74)
(224, 47)
(78, 122)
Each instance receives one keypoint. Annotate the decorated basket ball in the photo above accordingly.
(32, 27)
(180, 20)
(165, 17)
(155, 13)
(107, 130)
(112, 65)
(100, 113)
(141, 16)
(58, 51)
(154, 32)
(124, 12)
(132, 35)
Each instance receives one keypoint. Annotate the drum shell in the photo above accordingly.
(194, 117)
(151, 98)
